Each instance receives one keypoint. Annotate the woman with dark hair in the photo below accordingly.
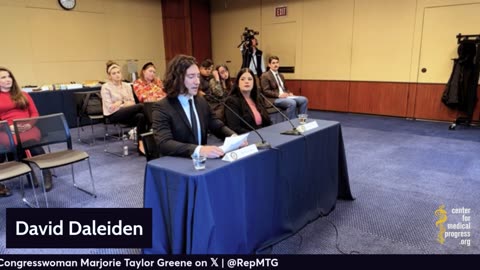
(15, 104)
(219, 87)
(181, 121)
(224, 78)
(244, 100)
(119, 104)
(148, 88)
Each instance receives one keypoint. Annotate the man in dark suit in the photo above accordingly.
(181, 121)
(273, 87)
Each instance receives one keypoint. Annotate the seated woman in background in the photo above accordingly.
(149, 88)
(119, 104)
(244, 100)
(15, 104)
(219, 86)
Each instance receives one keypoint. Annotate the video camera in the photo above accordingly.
(247, 36)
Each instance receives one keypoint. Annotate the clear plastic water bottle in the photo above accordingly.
(125, 148)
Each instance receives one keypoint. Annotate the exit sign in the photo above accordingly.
(281, 11)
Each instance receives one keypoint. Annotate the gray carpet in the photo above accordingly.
(400, 171)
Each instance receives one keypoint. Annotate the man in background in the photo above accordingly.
(273, 87)
(206, 68)
(252, 58)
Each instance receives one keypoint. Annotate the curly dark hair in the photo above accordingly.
(174, 81)
(16, 94)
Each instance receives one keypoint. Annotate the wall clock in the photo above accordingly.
(67, 4)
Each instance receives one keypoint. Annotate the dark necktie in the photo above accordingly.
(193, 121)
(280, 84)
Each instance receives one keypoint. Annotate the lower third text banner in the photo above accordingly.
(79, 228)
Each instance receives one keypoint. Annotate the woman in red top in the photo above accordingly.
(15, 104)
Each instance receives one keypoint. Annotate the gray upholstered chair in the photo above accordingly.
(53, 130)
(88, 109)
(14, 168)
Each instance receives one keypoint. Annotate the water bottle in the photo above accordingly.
(125, 148)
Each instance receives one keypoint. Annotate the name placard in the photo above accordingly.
(240, 153)
(307, 126)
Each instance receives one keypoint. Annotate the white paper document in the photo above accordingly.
(233, 143)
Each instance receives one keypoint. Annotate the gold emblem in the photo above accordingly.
(233, 155)
(441, 215)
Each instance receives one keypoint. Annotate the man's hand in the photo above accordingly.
(211, 151)
(283, 95)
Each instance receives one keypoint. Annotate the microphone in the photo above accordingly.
(294, 130)
(260, 145)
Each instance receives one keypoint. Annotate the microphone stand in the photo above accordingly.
(294, 130)
(260, 145)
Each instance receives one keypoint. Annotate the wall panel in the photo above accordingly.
(327, 95)
(383, 98)
(429, 105)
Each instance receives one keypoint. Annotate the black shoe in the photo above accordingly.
(4, 191)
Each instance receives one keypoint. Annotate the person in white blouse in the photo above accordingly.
(119, 104)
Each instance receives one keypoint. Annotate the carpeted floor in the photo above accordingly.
(401, 171)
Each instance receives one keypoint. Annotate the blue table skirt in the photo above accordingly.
(248, 205)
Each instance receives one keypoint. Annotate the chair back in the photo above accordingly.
(7, 144)
(135, 96)
(45, 130)
(151, 150)
(88, 103)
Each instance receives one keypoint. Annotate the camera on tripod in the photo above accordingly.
(247, 36)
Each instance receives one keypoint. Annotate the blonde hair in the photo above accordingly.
(111, 65)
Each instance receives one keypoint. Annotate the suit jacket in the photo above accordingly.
(269, 85)
(172, 131)
(247, 55)
(240, 106)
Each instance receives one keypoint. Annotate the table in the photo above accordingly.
(48, 102)
(248, 205)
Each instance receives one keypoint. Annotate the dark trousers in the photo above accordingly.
(132, 116)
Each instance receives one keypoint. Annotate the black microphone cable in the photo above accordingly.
(294, 130)
(337, 244)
